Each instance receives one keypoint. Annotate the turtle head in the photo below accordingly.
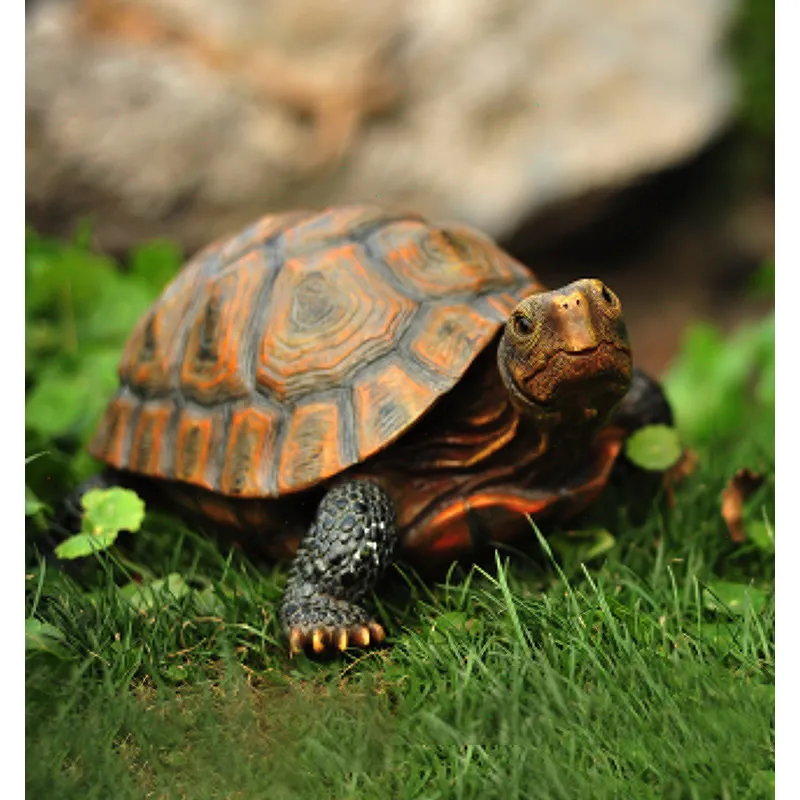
(564, 355)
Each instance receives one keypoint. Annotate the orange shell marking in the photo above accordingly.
(328, 314)
(192, 448)
(249, 453)
(451, 336)
(387, 404)
(109, 441)
(311, 452)
(214, 364)
(258, 233)
(447, 532)
(153, 348)
(334, 223)
(435, 262)
(219, 512)
(148, 438)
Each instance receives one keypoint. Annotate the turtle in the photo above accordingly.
(357, 385)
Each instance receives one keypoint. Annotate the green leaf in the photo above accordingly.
(157, 263)
(85, 544)
(84, 231)
(654, 447)
(83, 466)
(69, 401)
(44, 638)
(714, 382)
(765, 386)
(760, 534)
(114, 314)
(112, 510)
(718, 633)
(734, 597)
(145, 596)
(76, 301)
(33, 505)
(63, 278)
(174, 672)
(106, 513)
(208, 603)
(580, 547)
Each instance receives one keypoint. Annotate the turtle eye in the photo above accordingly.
(522, 325)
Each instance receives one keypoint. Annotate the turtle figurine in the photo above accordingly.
(355, 385)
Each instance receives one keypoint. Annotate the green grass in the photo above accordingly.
(647, 672)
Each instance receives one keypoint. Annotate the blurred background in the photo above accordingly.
(631, 140)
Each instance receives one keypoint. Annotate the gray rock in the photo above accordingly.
(462, 109)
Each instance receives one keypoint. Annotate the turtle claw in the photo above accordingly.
(365, 635)
(377, 632)
(361, 636)
(328, 639)
(318, 640)
(372, 633)
(296, 642)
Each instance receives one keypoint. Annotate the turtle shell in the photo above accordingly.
(304, 345)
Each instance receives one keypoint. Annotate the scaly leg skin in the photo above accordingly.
(347, 547)
(644, 404)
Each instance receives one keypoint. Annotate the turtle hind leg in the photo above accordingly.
(340, 559)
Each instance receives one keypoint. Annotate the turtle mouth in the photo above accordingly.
(585, 352)
(582, 374)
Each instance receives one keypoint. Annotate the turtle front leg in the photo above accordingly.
(347, 547)
(644, 404)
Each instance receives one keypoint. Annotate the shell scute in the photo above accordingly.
(258, 234)
(332, 225)
(311, 450)
(192, 447)
(329, 312)
(436, 262)
(386, 403)
(251, 448)
(110, 442)
(147, 447)
(153, 349)
(218, 358)
(450, 336)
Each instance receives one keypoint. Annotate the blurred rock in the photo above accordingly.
(189, 118)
